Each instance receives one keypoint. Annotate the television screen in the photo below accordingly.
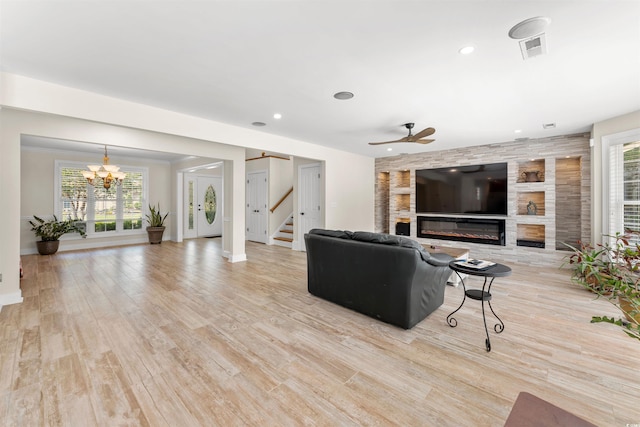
(472, 190)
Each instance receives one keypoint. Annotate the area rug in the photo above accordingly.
(531, 411)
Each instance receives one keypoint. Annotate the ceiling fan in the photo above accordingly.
(417, 138)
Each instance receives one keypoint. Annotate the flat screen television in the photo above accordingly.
(471, 190)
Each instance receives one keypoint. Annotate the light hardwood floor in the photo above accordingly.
(173, 335)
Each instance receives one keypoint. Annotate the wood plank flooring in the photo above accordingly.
(173, 335)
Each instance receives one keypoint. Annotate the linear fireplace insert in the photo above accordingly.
(476, 230)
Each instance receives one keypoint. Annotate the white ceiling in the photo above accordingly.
(241, 61)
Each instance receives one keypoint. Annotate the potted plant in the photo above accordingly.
(590, 268)
(156, 227)
(50, 231)
(612, 271)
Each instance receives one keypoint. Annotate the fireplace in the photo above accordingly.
(476, 230)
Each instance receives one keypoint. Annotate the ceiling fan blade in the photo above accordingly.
(424, 141)
(405, 139)
(423, 133)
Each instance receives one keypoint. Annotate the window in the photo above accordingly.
(115, 210)
(622, 214)
(631, 187)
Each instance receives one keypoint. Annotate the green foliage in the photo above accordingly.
(54, 229)
(132, 224)
(629, 328)
(105, 226)
(155, 218)
(612, 271)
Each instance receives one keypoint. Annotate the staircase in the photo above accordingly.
(284, 236)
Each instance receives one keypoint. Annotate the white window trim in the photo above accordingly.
(57, 207)
(609, 142)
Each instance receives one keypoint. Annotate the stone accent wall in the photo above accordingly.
(381, 216)
(569, 203)
(562, 194)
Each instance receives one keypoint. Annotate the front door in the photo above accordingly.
(209, 208)
(309, 206)
(256, 215)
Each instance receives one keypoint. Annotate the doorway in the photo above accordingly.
(202, 206)
(309, 200)
(256, 214)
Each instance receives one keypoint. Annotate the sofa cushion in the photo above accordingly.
(369, 237)
(332, 233)
(387, 239)
(384, 239)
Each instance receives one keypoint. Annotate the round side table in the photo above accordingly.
(484, 294)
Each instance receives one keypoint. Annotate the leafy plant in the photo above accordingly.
(612, 271)
(591, 268)
(50, 230)
(155, 218)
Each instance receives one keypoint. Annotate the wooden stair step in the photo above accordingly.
(283, 239)
(287, 231)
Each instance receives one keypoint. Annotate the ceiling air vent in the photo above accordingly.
(534, 46)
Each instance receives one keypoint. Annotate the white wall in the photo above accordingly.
(349, 177)
(602, 129)
(37, 195)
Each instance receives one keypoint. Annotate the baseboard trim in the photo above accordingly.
(80, 244)
(12, 298)
(235, 258)
(297, 246)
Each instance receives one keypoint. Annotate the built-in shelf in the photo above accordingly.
(403, 179)
(403, 202)
(531, 235)
(531, 203)
(403, 226)
(531, 171)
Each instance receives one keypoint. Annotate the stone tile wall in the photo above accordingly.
(564, 182)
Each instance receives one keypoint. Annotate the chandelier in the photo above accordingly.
(108, 173)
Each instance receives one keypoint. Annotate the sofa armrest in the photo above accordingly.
(440, 260)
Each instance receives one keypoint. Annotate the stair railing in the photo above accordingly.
(282, 199)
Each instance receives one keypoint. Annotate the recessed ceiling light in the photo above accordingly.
(466, 50)
(343, 95)
(277, 116)
(529, 27)
(259, 124)
(389, 149)
(518, 130)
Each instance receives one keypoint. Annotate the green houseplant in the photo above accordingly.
(156, 227)
(612, 271)
(50, 231)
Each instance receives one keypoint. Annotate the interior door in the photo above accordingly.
(209, 208)
(256, 215)
(310, 207)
